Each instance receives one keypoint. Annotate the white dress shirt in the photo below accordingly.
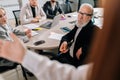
(76, 34)
(75, 37)
(44, 69)
(73, 44)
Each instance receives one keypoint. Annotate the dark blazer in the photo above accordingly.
(83, 41)
(49, 11)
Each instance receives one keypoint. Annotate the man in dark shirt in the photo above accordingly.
(75, 45)
(51, 8)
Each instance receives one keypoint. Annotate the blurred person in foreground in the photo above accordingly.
(105, 54)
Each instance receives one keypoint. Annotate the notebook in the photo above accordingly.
(50, 24)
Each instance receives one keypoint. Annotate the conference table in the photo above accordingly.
(53, 35)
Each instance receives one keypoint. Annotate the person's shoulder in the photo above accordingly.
(96, 28)
(47, 2)
(90, 23)
(57, 2)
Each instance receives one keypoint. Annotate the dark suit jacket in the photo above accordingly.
(83, 41)
(49, 11)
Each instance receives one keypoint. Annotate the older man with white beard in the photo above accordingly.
(74, 46)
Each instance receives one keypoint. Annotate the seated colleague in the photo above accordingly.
(32, 13)
(80, 38)
(51, 8)
(6, 29)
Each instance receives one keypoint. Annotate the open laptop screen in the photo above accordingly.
(50, 24)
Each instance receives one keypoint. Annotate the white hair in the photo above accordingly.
(87, 4)
(2, 8)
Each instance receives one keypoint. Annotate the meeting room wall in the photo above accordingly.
(9, 6)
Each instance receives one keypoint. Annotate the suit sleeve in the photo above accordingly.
(23, 17)
(59, 8)
(69, 36)
(18, 32)
(45, 8)
(42, 13)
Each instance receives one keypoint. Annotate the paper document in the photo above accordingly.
(34, 33)
(99, 22)
(56, 36)
(31, 26)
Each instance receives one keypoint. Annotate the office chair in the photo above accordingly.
(7, 65)
(16, 14)
(66, 7)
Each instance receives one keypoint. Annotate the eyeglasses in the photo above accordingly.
(85, 14)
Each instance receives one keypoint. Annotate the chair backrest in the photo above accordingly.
(66, 7)
(6, 65)
(16, 14)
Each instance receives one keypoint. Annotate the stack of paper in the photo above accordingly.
(34, 33)
(31, 26)
(56, 36)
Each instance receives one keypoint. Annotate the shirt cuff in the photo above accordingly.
(29, 60)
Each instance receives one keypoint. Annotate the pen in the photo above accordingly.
(36, 29)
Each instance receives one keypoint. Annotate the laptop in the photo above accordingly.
(53, 23)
